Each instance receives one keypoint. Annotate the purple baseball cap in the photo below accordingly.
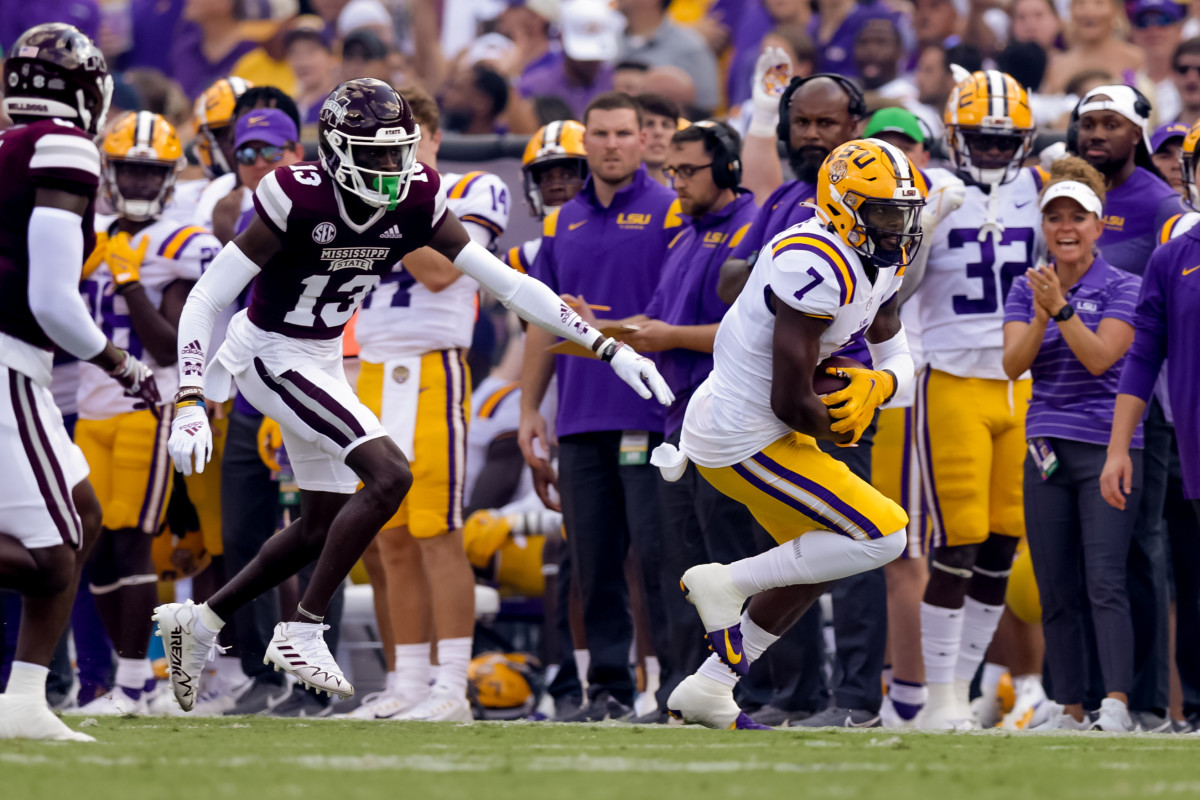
(1163, 12)
(1165, 133)
(267, 125)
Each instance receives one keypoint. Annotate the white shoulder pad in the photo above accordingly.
(811, 274)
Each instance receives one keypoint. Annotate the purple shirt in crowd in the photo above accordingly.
(782, 210)
(1134, 214)
(1166, 319)
(547, 76)
(152, 22)
(612, 256)
(18, 16)
(1068, 401)
(192, 69)
(687, 294)
(748, 23)
(837, 54)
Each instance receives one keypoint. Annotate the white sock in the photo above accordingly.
(653, 669)
(713, 667)
(132, 673)
(941, 631)
(754, 638)
(27, 680)
(209, 618)
(978, 627)
(412, 668)
(583, 660)
(815, 557)
(989, 682)
(454, 659)
(390, 681)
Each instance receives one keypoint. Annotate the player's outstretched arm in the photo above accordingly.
(230, 272)
(796, 350)
(535, 302)
(55, 243)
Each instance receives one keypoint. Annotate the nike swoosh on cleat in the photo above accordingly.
(734, 657)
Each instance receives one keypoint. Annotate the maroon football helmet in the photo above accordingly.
(367, 141)
(55, 71)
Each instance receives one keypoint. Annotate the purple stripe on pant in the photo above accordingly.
(817, 490)
(291, 383)
(785, 498)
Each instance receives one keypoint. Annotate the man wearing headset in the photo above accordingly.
(699, 524)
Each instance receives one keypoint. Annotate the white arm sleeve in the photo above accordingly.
(893, 356)
(229, 273)
(55, 263)
(532, 300)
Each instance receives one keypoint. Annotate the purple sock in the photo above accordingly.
(908, 698)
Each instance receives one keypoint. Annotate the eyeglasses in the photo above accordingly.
(685, 171)
(248, 156)
(1185, 69)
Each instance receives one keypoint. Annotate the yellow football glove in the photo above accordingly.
(99, 254)
(856, 403)
(270, 439)
(124, 261)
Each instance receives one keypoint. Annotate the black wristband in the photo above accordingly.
(1064, 313)
(189, 392)
(608, 348)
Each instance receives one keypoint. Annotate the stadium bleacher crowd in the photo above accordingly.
(640, 157)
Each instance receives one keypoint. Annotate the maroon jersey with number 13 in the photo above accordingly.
(328, 263)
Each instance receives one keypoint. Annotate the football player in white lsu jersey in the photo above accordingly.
(751, 427)
(323, 236)
(970, 416)
(414, 331)
(57, 89)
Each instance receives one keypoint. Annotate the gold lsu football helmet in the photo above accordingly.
(213, 112)
(1187, 164)
(141, 138)
(871, 195)
(989, 111)
(558, 144)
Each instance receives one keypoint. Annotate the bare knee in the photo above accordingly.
(389, 482)
(56, 571)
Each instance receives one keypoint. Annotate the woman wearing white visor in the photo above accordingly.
(1071, 322)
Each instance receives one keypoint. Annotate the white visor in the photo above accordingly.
(1078, 192)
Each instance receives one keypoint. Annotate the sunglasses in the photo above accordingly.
(1185, 69)
(1153, 19)
(248, 156)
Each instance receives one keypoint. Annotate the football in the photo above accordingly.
(824, 383)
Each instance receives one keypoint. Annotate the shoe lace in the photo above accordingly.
(309, 641)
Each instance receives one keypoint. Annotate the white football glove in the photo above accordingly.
(137, 380)
(772, 72)
(191, 438)
(941, 202)
(1051, 154)
(637, 371)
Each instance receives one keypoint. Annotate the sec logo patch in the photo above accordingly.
(324, 233)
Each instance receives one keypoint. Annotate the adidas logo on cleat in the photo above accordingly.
(392, 233)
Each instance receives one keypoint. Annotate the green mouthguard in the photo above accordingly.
(389, 185)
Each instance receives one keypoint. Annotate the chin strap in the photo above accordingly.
(991, 223)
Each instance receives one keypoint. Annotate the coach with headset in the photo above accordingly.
(699, 524)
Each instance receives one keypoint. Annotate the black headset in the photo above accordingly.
(726, 161)
(857, 108)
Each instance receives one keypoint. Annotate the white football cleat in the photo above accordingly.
(947, 708)
(1029, 707)
(30, 718)
(188, 643)
(1051, 717)
(117, 704)
(700, 700)
(385, 705)
(890, 718)
(441, 706)
(299, 649)
(710, 588)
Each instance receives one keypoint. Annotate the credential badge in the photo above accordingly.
(324, 233)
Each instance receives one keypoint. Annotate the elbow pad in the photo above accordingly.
(55, 243)
(893, 356)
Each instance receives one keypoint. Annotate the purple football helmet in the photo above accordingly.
(53, 70)
(367, 141)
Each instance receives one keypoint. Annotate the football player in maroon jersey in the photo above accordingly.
(323, 236)
(57, 89)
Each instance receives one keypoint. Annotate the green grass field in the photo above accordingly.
(175, 759)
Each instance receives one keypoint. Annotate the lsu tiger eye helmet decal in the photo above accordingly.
(872, 196)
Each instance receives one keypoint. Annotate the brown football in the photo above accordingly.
(824, 383)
